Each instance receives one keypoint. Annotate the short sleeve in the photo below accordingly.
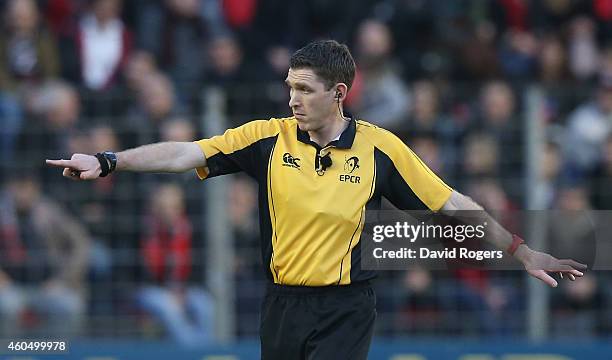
(238, 149)
(408, 183)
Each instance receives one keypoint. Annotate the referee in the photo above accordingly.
(318, 172)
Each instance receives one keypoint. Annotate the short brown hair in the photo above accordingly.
(331, 61)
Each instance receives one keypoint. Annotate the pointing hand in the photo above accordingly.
(79, 167)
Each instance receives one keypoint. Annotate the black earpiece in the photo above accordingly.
(338, 95)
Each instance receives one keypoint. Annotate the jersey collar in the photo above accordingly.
(345, 141)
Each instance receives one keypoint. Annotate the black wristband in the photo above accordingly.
(111, 157)
(103, 164)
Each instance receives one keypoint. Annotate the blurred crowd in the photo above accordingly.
(452, 78)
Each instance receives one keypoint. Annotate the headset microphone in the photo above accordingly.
(324, 162)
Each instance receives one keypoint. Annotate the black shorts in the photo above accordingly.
(304, 323)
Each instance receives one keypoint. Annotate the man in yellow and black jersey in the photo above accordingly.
(318, 172)
(313, 198)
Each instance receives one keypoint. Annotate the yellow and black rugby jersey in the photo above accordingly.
(311, 221)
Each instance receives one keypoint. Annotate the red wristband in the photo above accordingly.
(516, 242)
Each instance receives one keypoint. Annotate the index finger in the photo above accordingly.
(60, 163)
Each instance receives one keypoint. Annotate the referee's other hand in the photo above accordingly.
(539, 265)
(79, 167)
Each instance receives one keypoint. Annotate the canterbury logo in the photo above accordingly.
(291, 161)
(351, 164)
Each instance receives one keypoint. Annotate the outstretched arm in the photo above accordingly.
(173, 157)
(537, 264)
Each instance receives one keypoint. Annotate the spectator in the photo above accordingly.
(254, 30)
(383, 96)
(244, 81)
(554, 76)
(426, 119)
(425, 116)
(168, 257)
(180, 128)
(157, 98)
(28, 56)
(498, 119)
(95, 48)
(550, 15)
(227, 62)
(28, 52)
(177, 33)
(571, 231)
(421, 310)
(485, 303)
(416, 23)
(301, 21)
(156, 103)
(242, 209)
(43, 261)
(517, 55)
(552, 61)
(579, 310)
(601, 179)
(550, 174)
(481, 157)
(98, 46)
(139, 65)
(479, 59)
(52, 126)
(583, 50)
(325, 19)
(587, 129)
(497, 110)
